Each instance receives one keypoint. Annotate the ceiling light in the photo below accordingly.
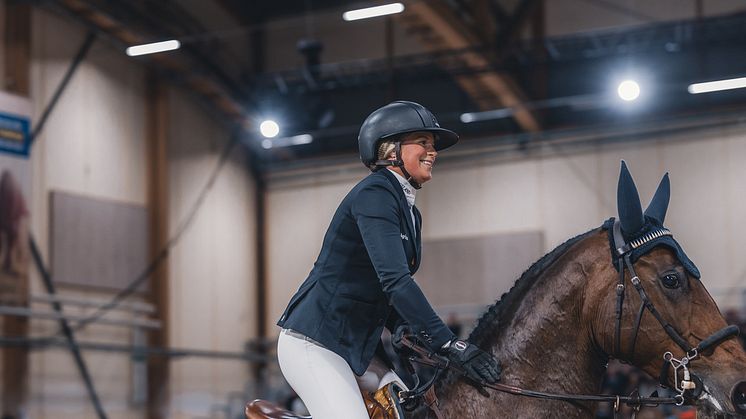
(269, 128)
(469, 117)
(368, 12)
(153, 48)
(628, 90)
(287, 141)
(716, 86)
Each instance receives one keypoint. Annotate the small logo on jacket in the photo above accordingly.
(404, 237)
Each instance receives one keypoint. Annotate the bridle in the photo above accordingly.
(686, 389)
(624, 259)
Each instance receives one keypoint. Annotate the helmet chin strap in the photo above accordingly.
(400, 164)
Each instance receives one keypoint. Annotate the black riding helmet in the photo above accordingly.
(391, 122)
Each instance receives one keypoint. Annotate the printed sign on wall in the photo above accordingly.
(14, 134)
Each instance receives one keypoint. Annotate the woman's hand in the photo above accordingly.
(477, 364)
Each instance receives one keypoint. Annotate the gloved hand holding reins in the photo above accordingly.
(477, 364)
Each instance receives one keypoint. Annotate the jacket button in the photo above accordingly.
(380, 322)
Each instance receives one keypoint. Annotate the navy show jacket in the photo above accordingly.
(362, 280)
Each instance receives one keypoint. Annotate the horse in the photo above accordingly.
(556, 329)
(626, 291)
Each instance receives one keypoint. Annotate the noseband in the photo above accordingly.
(680, 366)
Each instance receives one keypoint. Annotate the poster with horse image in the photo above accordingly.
(14, 235)
(15, 188)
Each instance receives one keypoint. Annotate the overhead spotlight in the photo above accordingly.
(628, 90)
(269, 128)
(368, 12)
(716, 86)
(153, 48)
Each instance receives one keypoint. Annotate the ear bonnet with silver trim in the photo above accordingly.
(644, 231)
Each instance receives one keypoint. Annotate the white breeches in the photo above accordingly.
(324, 381)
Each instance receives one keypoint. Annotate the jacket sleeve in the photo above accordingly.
(378, 216)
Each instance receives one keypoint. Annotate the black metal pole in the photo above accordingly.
(72, 344)
(82, 52)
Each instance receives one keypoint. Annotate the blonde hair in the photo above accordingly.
(385, 149)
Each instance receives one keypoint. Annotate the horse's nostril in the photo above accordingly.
(738, 396)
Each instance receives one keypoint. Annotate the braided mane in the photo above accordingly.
(489, 322)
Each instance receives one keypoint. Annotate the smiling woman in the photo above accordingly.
(417, 152)
(362, 280)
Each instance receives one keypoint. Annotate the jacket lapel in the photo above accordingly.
(418, 240)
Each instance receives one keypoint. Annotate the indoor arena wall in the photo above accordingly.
(94, 146)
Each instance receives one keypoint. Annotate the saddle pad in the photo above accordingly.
(263, 409)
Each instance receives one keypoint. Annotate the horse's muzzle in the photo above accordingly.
(738, 397)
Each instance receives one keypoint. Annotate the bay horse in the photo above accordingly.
(556, 329)
(625, 290)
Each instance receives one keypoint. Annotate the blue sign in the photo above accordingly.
(14, 134)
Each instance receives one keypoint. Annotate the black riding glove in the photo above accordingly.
(477, 364)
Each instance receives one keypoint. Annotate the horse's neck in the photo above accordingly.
(547, 344)
(543, 343)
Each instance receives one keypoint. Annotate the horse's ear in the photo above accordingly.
(659, 204)
(628, 202)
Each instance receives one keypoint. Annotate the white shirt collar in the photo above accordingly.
(409, 192)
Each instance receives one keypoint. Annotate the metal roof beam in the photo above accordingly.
(490, 89)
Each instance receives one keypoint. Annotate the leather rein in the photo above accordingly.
(686, 389)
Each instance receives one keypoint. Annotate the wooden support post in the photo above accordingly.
(259, 369)
(17, 46)
(390, 58)
(157, 147)
(540, 72)
(14, 266)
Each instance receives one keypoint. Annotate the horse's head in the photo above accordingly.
(665, 308)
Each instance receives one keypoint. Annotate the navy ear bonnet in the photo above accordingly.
(668, 241)
(643, 230)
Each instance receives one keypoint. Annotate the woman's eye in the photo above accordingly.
(671, 281)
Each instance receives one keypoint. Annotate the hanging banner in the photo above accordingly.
(15, 254)
(15, 135)
(15, 189)
(15, 125)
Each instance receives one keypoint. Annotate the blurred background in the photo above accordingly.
(168, 169)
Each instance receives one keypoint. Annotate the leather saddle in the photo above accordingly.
(383, 404)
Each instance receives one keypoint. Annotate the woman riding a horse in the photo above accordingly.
(362, 279)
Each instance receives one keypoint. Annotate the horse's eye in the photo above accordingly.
(671, 281)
